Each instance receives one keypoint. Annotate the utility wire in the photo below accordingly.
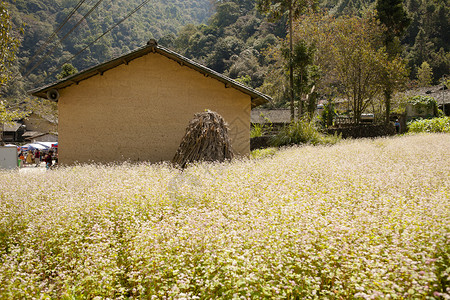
(99, 37)
(54, 34)
(48, 39)
(64, 37)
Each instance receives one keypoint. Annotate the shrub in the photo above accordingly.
(262, 153)
(302, 132)
(327, 115)
(257, 130)
(430, 125)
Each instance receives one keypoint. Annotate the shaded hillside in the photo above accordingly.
(230, 37)
(39, 18)
(427, 39)
(235, 39)
(233, 42)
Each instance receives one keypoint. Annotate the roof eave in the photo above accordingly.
(258, 98)
(90, 72)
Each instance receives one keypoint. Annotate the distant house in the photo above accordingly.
(12, 133)
(40, 128)
(37, 123)
(271, 116)
(440, 93)
(34, 136)
(137, 107)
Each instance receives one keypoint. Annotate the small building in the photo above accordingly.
(137, 107)
(33, 137)
(271, 120)
(40, 128)
(277, 117)
(12, 133)
(38, 123)
(439, 92)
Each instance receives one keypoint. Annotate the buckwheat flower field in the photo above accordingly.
(363, 219)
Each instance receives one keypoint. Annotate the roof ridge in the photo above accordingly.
(152, 46)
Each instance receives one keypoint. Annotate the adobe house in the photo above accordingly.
(275, 117)
(12, 133)
(39, 123)
(40, 128)
(137, 107)
(34, 136)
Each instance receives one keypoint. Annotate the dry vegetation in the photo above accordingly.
(366, 219)
(206, 139)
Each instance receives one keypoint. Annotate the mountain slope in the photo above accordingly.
(39, 18)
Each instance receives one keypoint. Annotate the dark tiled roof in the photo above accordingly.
(258, 98)
(440, 94)
(12, 127)
(262, 116)
(47, 117)
(32, 134)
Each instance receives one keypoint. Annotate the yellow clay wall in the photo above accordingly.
(140, 111)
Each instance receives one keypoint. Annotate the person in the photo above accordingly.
(21, 159)
(397, 126)
(56, 157)
(49, 159)
(29, 160)
(37, 157)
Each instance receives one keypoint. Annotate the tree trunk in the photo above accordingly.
(291, 67)
(300, 100)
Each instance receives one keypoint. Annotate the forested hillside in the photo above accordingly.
(237, 38)
(39, 19)
(231, 37)
(233, 42)
(427, 37)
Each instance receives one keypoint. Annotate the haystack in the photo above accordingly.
(206, 139)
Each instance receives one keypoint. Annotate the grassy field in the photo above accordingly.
(363, 219)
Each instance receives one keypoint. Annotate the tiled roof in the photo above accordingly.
(257, 97)
(262, 116)
(440, 94)
(11, 127)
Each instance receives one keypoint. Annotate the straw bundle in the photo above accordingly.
(206, 139)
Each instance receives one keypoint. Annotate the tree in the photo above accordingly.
(218, 60)
(8, 47)
(302, 59)
(275, 82)
(357, 62)
(420, 52)
(351, 55)
(182, 40)
(227, 13)
(247, 64)
(246, 80)
(393, 76)
(276, 9)
(394, 17)
(168, 40)
(67, 70)
(424, 74)
(440, 63)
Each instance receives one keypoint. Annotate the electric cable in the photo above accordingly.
(39, 51)
(23, 68)
(64, 37)
(99, 37)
